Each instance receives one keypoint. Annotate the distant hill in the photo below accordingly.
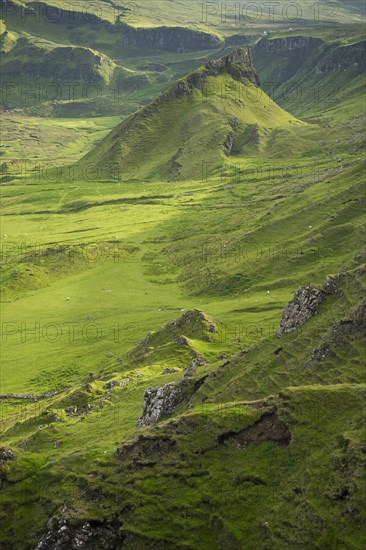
(216, 112)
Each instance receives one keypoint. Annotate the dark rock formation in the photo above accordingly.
(71, 411)
(182, 341)
(330, 285)
(355, 324)
(146, 450)
(88, 535)
(343, 58)
(354, 327)
(268, 428)
(30, 396)
(238, 64)
(197, 362)
(189, 322)
(303, 306)
(6, 454)
(172, 39)
(158, 402)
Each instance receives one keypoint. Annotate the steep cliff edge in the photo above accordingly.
(172, 39)
(304, 73)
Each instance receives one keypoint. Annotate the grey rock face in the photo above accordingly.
(291, 43)
(158, 402)
(71, 411)
(197, 362)
(330, 285)
(6, 454)
(304, 305)
(62, 535)
(173, 39)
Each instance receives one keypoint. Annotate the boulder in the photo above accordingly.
(182, 341)
(330, 285)
(6, 454)
(304, 305)
(63, 535)
(71, 411)
(159, 402)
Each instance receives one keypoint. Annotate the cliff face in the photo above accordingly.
(289, 44)
(279, 59)
(343, 58)
(173, 39)
(318, 56)
(71, 63)
(297, 69)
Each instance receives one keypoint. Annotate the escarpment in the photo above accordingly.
(172, 39)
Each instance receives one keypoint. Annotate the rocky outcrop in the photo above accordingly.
(172, 39)
(6, 454)
(330, 285)
(159, 402)
(192, 368)
(192, 324)
(88, 535)
(304, 305)
(268, 428)
(189, 322)
(146, 450)
(238, 64)
(30, 396)
(354, 327)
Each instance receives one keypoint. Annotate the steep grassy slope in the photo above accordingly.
(278, 225)
(307, 76)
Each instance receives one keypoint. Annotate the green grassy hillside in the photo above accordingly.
(148, 399)
(217, 112)
(274, 231)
